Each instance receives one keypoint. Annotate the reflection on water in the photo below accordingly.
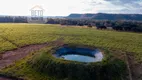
(79, 58)
(79, 54)
(83, 58)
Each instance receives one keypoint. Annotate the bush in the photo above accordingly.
(90, 26)
(137, 29)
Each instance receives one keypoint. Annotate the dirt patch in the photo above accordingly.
(4, 78)
(9, 57)
(136, 68)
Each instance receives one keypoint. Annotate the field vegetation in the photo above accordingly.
(13, 36)
(16, 35)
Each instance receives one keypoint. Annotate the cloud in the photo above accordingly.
(123, 1)
(130, 6)
(65, 7)
(117, 6)
(126, 3)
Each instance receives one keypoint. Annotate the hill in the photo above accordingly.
(104, 16)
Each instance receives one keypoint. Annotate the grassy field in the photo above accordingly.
(17, 35)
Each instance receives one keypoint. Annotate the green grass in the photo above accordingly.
(22, 70)
(5, 45)
(37, 65)
(24, 34)
(110, 68)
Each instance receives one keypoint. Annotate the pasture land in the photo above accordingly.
(16, 35)
(13, 36)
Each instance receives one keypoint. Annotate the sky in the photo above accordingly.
(66, 7)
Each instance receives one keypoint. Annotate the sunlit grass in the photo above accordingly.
(24, 34)
(5, 45)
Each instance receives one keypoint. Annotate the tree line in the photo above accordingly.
(121, 25)
(13, 19)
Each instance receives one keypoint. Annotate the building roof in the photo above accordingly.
(37, 7)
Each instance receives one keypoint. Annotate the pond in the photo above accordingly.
(79, 54)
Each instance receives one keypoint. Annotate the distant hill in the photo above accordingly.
(104, 16)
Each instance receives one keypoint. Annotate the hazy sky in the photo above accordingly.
(65, 7)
